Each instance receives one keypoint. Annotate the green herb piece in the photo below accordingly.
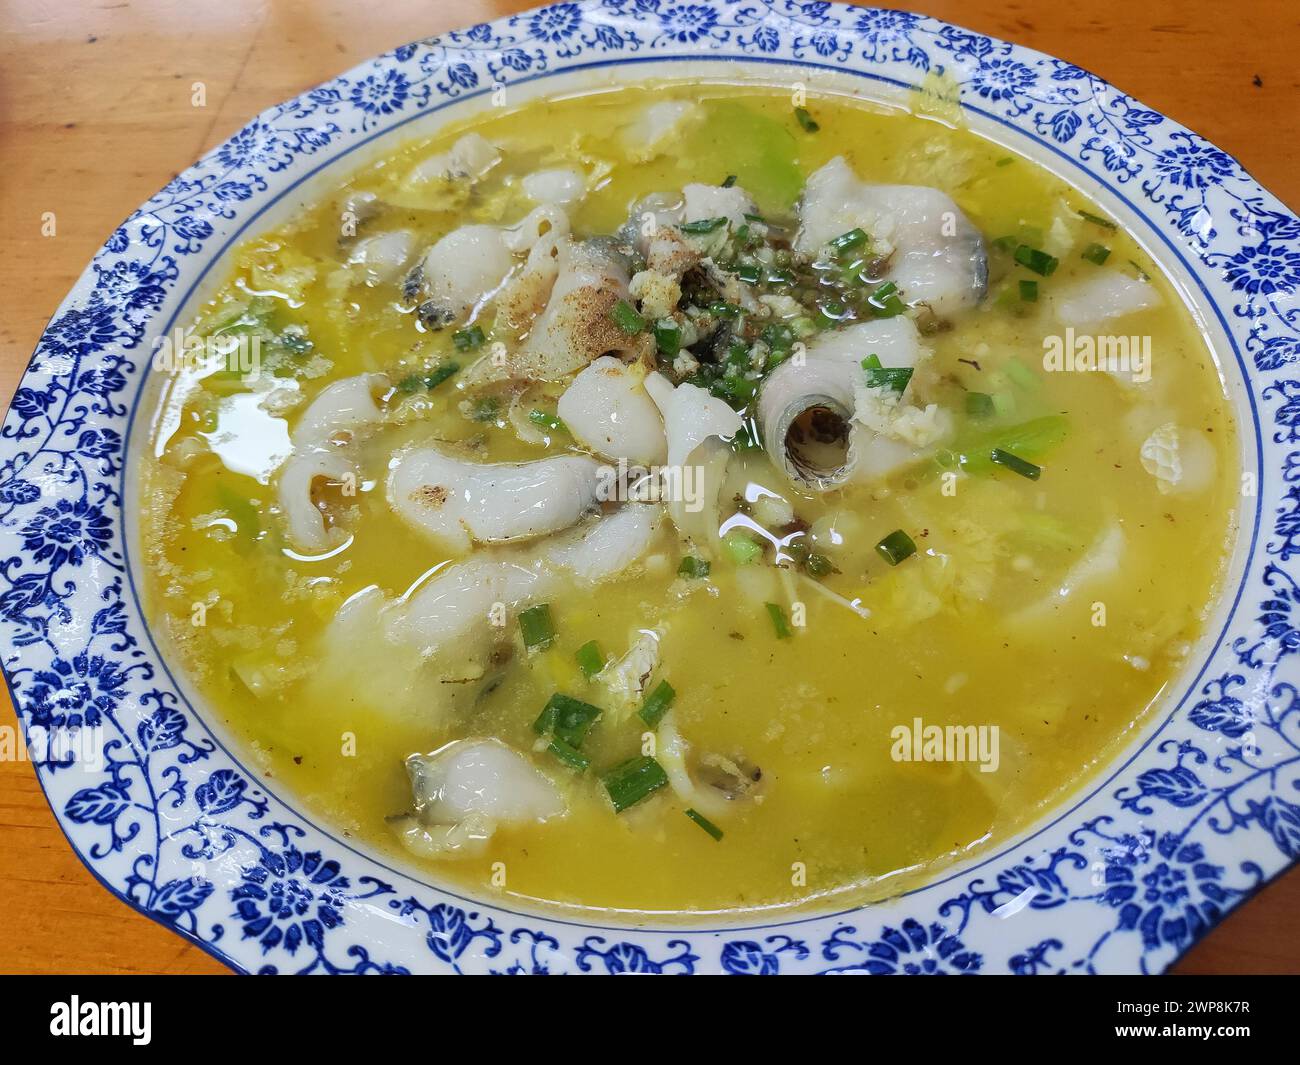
(854, 238)
(708, 826)
(693, 568)
(625, 316)
(895, 547)
(657, 704)
(742, 549)
(1015, 464)
(750, 273)
(806, 120)
(569, 755)
(703, 225)
(549, 422)
(979, 404)
(1096, 254)
(632, 781)
(894, 378)
(1097, 220)
(467, 339)
(536, 626)
(729, 181)
(566, 718)
(589, 658)
(885, 301)
(1037, 261)
(1021, 375)
(818, 565)
(485, 409)
(668, 337)
(446, 370)
(779, 622)
(1029, 291)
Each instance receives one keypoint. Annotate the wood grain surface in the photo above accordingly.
(96, 114)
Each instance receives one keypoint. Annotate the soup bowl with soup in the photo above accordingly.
(706, 490)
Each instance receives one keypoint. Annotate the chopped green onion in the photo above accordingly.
(569, 754)
(1006, 160)
(854, 238)
(446, 370)
(410, 383)
(668, 337)
(729, 181)
(536, 626)
(1021, 375)
(708, 826)
(895, 547)
(885, 301)
(1138, 272)
(895, 378)
(1037, 261)
(693, 568)
(625, 316)
(979, 404)
(657, 704)
(485, 409)
(1006, 243)
(1015, 464)
(750, 273)
(1097, 220)
(546, 421)
(755, 217)
(1096, 254)
(467, 339)
(742, 549)
(631, 781)
(719, 309)
(703, 225)
(590, 660)
(830, 313)
(806, 120)
(1030, 440)
(566, 718)
(779, 623)
(1029, 291)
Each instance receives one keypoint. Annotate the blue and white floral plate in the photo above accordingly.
(1199, 812)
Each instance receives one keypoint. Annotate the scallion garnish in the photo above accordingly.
(569, 754)
(447, 369)
(750, 273)
(854, 238)
(1029, 291)
(1015, 464)
(979, 404)
(693, 568)
(742, 549)
(467, 339)
(708, 826)
(885, 301)
(657, 704)
(589, 658)
(779, 622)
(1097, 220)
(806, 120)
(543, 420)
(536, 626)
(631, 781)
(1096, 254)
(1037, 261)
(1021, 375)
(720, 309)
(895, 547)
(894, 378)
(566, 718)
(625, 316)
(703, 225)
(728, 181)
(668, 337)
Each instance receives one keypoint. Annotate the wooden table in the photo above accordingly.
(97, 116)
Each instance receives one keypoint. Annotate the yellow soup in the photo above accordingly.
(956, 487)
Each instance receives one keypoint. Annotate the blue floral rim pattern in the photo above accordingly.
(172, 823)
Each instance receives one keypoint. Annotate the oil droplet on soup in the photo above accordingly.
(924, 569)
